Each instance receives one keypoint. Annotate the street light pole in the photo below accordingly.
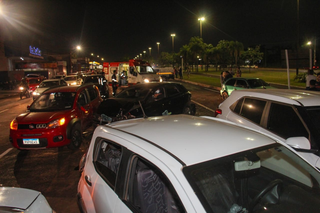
(158, 43)
(144, 54)
(150, 51)
(201, 20)
(173, 35)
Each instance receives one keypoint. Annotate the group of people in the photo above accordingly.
(312, 81)
(225, 75)
(178, 72)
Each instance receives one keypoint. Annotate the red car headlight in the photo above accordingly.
(14, 125)
(56, 123)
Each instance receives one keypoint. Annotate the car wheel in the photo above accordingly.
(189, 110)
(76, 137)
(225, 95)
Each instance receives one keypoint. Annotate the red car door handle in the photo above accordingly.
(88, 180)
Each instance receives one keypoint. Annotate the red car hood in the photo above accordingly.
(41, 117)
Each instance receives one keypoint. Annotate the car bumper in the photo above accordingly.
(48, 138)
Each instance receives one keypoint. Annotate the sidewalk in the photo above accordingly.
(9, 93)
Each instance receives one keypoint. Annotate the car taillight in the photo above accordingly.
(217, 112)
(14, 124)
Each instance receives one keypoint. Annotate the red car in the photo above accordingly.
(33, 83)
(57, 118)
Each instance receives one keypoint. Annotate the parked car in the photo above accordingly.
(149, 99)
(59, 76)
(73, 80)
(183, 163)
(242, 83)
(282, 113)
(23, 200)
(46, 84)
(100, 81)
(57, 118)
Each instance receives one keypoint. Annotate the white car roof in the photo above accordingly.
(191, 139)
(290, 96)
(51, 80)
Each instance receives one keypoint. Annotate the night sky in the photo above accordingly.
(115, 29)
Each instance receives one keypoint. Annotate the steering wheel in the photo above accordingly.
(264, 191)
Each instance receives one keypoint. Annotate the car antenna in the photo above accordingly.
(144, 114)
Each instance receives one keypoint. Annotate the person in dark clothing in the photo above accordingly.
(180, 72)
(114, 83)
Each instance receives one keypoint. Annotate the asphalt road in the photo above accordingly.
(54, 171)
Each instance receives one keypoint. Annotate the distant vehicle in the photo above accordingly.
(15, 199)
(33, 83)
(73, 80)
(285, 114)
(183, 163)
(135, 71)
(46, 84)
(149, 99)
(100, 81)
(57, 118)
(59, 77)
(242, 83)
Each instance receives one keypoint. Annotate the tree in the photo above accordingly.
(252, 55)
(185, 53)
(197, 48)
(166, 59)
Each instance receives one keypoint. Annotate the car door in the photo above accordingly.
(83, 109)
(176, 99)
(229, 85)
(156, 103)
(248, 112)
(98, 180)
(240, 84)
(95, 99)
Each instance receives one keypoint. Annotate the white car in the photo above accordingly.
(183, 163)
(46, 84)
(23, 200)
(73, 80)
(292, 115)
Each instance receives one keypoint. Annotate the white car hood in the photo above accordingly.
(41, 90)
(21, 198)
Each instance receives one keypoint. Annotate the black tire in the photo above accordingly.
(188, 109)
(76, 137)
(225, 95)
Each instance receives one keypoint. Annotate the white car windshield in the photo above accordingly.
(53, 102)
(268, 178)
(145, 70)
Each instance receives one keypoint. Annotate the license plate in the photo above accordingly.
(31, 141)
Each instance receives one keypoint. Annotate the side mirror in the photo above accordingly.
(300, 144)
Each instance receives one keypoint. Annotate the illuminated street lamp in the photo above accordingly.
(201, 20)
(144, 53)
(158, 43)
(173, 35)
(150, 51)
(78, 47)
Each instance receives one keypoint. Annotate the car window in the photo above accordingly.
(241, 83)
(92, 93)
(151, 191)
(238, 106)
(231, 82)
(62, 82)
(107, 160)
(53, 101)
(285, 122)
(171, 90)
(49, 84)
(82, 99)
(252, 109)
(156, 94)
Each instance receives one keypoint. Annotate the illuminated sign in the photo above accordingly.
(35, 52)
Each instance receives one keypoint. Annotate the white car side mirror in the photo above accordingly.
(299, 143)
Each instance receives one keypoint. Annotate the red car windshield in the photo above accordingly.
(53, 102)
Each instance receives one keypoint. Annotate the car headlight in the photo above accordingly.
(146, 80)
(56, 123)
(14, 124)
(74, 83)
(35, 93)
(21, 88)
(160, 79)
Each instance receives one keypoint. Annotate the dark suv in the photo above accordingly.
(57, 118)
(100, 81)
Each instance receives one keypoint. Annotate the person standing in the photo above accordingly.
(310, 76)
(318, 81)
(238, 73)
(114, 83)
(175, 72)
(180, 72)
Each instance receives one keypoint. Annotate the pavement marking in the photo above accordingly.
(203, 106)
(212, 90)
(4, 110)
(6, 152)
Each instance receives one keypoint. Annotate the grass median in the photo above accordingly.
(278, 76)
